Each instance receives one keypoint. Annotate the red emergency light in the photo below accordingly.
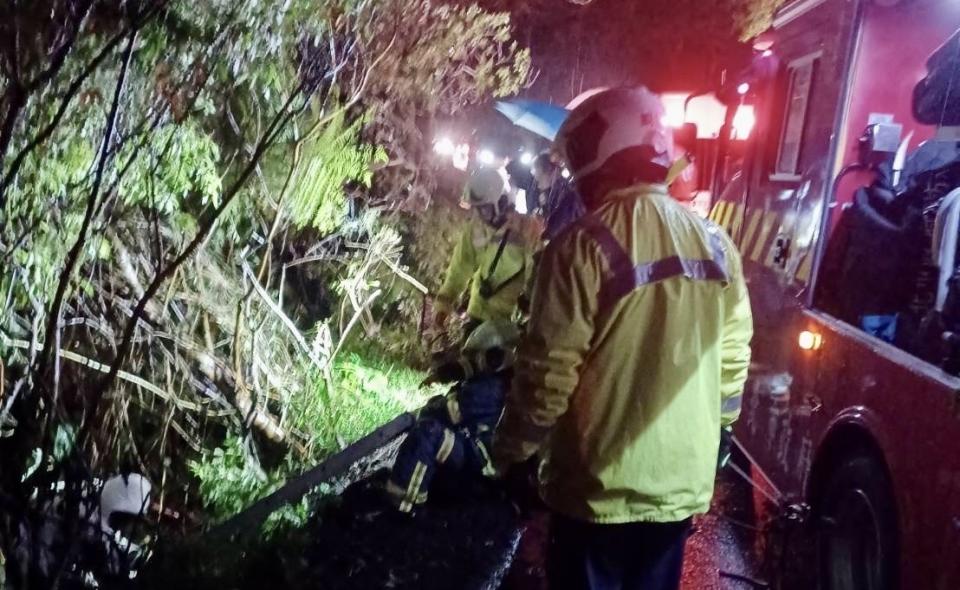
(707, 113)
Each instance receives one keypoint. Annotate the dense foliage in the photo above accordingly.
(202, 206)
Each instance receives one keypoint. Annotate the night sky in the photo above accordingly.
(668, 45)
(676, 45)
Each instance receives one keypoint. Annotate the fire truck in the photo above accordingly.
(842, 210)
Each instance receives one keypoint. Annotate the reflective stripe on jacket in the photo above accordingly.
(634, 358)
(473, 258)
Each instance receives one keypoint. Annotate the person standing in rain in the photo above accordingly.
(493, 260)
(634, 359)
(558, 201)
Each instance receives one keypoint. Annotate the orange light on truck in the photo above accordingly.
(810, 340)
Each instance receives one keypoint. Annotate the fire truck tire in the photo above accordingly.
(859, 537)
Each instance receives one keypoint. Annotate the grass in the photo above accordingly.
(368, 390)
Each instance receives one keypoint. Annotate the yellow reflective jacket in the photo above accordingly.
(473, 258)
(634, 358)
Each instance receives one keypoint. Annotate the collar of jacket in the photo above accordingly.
(636, 190)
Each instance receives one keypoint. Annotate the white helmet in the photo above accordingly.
(124, 495)
(492, 334)
(485, 187)
(491, 346)
(610, 122)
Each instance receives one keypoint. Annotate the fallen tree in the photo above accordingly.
(181, 266)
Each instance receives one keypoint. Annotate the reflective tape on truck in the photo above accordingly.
(755, 232)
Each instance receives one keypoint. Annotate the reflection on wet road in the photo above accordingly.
(724, 552)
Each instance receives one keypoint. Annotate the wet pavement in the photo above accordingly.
(458, 542)
(725, 550)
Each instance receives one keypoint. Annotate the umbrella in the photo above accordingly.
(541, 118)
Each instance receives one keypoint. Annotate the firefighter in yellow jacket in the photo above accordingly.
(634, 359)
(493, 260)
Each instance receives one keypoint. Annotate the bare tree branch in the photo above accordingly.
(123, 375)
(287, 323)
(282, 117)
(66, 276)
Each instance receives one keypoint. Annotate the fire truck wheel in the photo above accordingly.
(859, 546)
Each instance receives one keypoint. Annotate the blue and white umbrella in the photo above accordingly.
(541, 118)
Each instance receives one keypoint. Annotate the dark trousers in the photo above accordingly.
(633, 556)
(429, 447)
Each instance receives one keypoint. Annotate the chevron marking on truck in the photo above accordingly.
(756, 243)
(760, 246)
(752, 225)
(728, 215)
(736, 221)
(806, 266)
(717, 211)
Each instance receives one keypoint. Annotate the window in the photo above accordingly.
(891, 266)
(800, 77)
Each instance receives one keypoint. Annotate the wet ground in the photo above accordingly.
(464, 540)
(725, 550)
(467, 538)
(470, 543)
